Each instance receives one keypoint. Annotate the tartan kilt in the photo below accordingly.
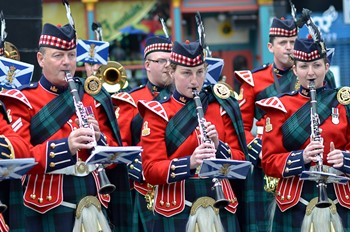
(143, 217)
(120, 208)
(194, 188)
(292, 219)
(11, 195)
(62, 218)
(253, 211)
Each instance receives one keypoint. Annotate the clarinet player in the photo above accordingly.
(173, 150)
(290, 146)
(44, 115)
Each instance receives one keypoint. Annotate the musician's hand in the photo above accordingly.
(92, 121)
(335, 156)
(212, 133)
(311, 151)
(203, 151)
(80, 138)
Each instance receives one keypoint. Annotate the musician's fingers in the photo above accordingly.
(332, 147)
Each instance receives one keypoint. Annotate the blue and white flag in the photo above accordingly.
(215, 66)
(15, 168)
(92, 51)
(223, 168)
(109, 155)
(14, 74)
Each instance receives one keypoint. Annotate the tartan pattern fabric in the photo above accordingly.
(162, 47)
(275, 31)
(186, 61)
(286, 82)
(75, 188)
(51, 117)
(296, 130)
(177, 223)
(56, 42)
(2, 51)
(306, 56)
(183, 123)
(291, 219)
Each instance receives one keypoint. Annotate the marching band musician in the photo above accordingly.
(266, 81)
(158, 87)
(288, 150)
(44, 115)
(11, 146)
(172, 150)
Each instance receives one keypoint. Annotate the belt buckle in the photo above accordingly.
(81, 167)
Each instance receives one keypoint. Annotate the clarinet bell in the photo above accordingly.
(220, 200)
(106, 186)
(323, 201)
(3, 207)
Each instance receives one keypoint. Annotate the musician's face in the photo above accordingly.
(55, 62)
(187, 78)
(157, 67)
(282, 48)
(307, 71)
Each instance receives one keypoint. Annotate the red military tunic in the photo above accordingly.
(171, 172)
(287, 165)
(44, 190)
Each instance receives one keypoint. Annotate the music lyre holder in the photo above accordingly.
(14, 169)
(323, 178)
(113, 155)
(223, 169)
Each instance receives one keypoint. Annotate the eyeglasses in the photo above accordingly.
(160, 61)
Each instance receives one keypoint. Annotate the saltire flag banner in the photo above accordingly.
(326, 177)
(14, 73)
(223, 168)
(215, 66)
(15, 168)
(92, 51)
(109, 155)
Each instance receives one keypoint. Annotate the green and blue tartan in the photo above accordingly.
(184, 122)
(177, 223)
(291, 219)
(294, 136)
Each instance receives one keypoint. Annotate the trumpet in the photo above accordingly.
(11, 51)
(105, 186)
(220, 200)
(111, 76)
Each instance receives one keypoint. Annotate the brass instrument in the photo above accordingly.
(323, 201)
(105, 186)
(11, 51)
(220, 200)
(111, 76)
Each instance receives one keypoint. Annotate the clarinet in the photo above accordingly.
(105, 186)
(220, 201)
(316, 136)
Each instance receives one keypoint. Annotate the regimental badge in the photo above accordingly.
(343, 95)
(182, 99)
(53, 89)
(221, 90)
(117, 113)
(92, 85)
(155, 88)
(224, 170)
(11, 74)
(240, 96)
(146, 130)
(92, 50)
(9, 116)
(268, 125)
(335, 116)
